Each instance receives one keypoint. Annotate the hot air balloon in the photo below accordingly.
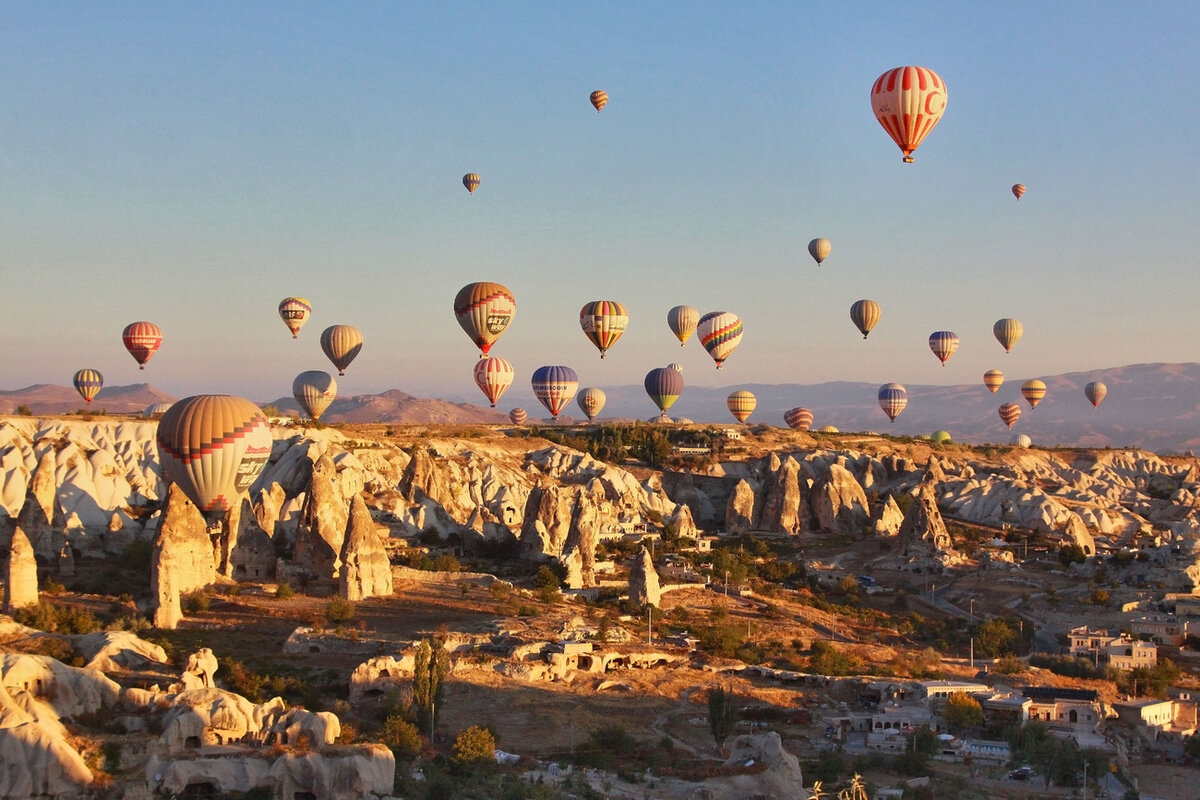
(493, 376)
(213, 447)
(554, 386)
(892, 399)
(992, 379)
(943, 344)
(664, 385)
(741, 404)
(1010, 413)
(719, 332)
(294, 311)
(599, 99)
(1033, 391)
(471, 181)
(819, 249)
(591, 402)
(142, 340)
(827, 429)
(908, 102)
(1018, 190)
(1096, 392)
(603, 322)
(864, 314)
(156, 410)
(484, 310)
(1021, 440)
(518, 416)
(940, 437)
(341, 344)
(682, 321)
(1007, 332)
(87, 383)
(314, 390)
(675, 365)
(799, 418)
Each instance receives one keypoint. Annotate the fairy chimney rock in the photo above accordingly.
(366, 571)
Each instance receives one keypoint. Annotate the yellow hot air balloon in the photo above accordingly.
(294, 311)
(993, 379)
(341, 344)
(865, 314)
(314, 390)
(908, 102)
(741, 404)
(599, 99)
(1009, 414)
(88, 383)
(213, 447)
(1033, 391)
(682, 322)
(1007, 331)
(591, 402)
(471, 181)
(484, 310)
(603, 322)
(820, 249)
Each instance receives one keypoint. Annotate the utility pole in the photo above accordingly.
(1085, 765)
(649, 624)
(972, 652)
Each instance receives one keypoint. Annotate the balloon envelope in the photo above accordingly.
(294, 311)
(682, 322)
(741, 404)
(943, 344)
(603, 322)
(155, 410)
(591, 402)
(1033, 391)
(314, 390)
(1007, 331)
(341, 344)
(1095, 392)
(599, 99)
(993, 379)
(142, 340)
(1021, 440)
(865, 314)
(720, 332)
(799, 418)
(484, 311)
(471, 181)
(554, 386)
(518, 416)
(1010, 413)
(663, 385)
(1018, 190)
(820, 249)
(493, 376)
(88, 383)
(893, 397)
(213, 447)
(908, 102)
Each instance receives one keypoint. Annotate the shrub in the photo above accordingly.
(473, 745)
(284, 590)
(401, 737)
(339, 610)
(195, 603)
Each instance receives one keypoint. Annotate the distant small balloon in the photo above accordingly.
(819, 249)
(663, 385)
(1021, 440)
(1095, 392)
(341, 344)
(720, 332)
(893, 397)
(864, 314)
(493, 376)
(940, 437)
(599, 99)
(314, 390)
(943, 344)
(142, 340)
(471, 181)
(908, 102)
(799, 418)
(603, 322)
(1007, 331)
(591, 402)
(993, 379)
(1018, 190)
(554, 386)
(741, 404)
(1009, 414)
(675, 365)
(1033, 391)
(88, 383)
(294, 311)
(682, 322)
(518, 416)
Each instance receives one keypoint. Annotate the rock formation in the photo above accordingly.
(1076, 533)
(839, 501)
(740, 511)
(322, 526)
(923, 533)
(21, 582)
(39, 517)
(253, 554)
(200, 669)
(643, 581)
(784, 510)
(366, 571)
(182, 560)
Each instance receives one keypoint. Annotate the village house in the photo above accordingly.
(1161, 629)
(1121, 651)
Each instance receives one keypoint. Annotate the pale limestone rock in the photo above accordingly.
(572, 559)
(39, 516)
(839, 501)
(253, 554)
(373, 680)
(1077, 533)
(182, 560)
(200, 669)
(923, 531)
(643, 581)
(683, 523)
(322, 526)
(783, 507)
(740, 511)
(113, 651)
(550, 508)
(37, 759)
(890, 518)
(21, 581)
(366, 571)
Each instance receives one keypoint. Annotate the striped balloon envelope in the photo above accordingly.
(1009, 414)
(993, 379)
(741, 404)
(142, 340)
(1021, 440)
(682, 322)
(471, 181)
(484, 310)
(314, 390)
(865, 314)
(599, 99)
(720, 332)
(1007, 331)
(820, 249)
(1033, 391)
(493, 376)
(341, 343)
(893, 397)
(88, 383)
(213, 447)
(799, 418)
(908, 102)
(518, 416)
(591, 402)
(1095, 393)
(1018, 190)
(943, 344)
(663, 385)
(294, 311)
(603, 322)
(554, 386)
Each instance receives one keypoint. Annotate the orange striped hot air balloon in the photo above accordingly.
(908, 102)
(88, 383)
(865, 314)
(1018, 190)
(993, 379)
(591, 402)
(943, 344)
(799, 418)
(599, 99)
(1095, 392)
(720, 332)
(314, 390)
(142, 340)
(294, 311)
(1010, 413)
(1033, 391)
(471, 181)
(341, 343)
(493, 376)
(603, 322)
(213, 447)
(741, 404)
(484, 310)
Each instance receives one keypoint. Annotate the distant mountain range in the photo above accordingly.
(1152, 406)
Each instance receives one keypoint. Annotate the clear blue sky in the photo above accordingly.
(194, 163)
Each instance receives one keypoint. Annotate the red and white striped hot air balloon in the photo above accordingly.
(1010, 413)
(1018, 190)
(493, 376)
(518, 416)
(799, 418)
(908, 102)
(142, 340)
(943, 344)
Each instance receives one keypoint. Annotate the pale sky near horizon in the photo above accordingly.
(192, 164)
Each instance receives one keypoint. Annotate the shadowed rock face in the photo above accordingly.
(322, 526)
(643, 581)
(923, 531)
(182, 559)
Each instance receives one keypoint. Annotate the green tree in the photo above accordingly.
(474, 745)
(962, 711)
(995, 637)
(722, 714)
(432, 662)
(339, 610)
(401, 737)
